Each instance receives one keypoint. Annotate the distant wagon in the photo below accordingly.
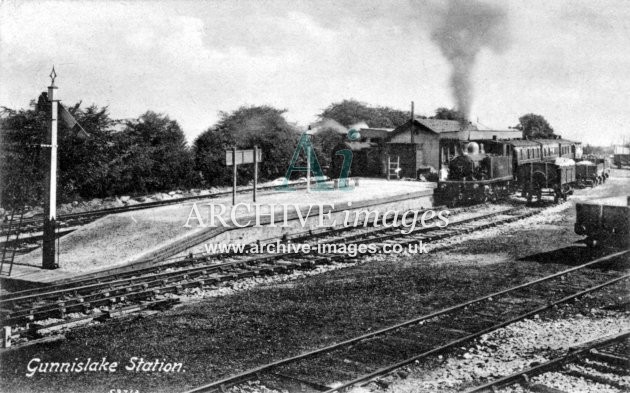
(592, 172)
(604, 221)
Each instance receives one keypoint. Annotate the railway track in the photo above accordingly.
(78, 303)
(595, 366)
(368, 358)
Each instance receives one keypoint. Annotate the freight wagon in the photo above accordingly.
(621, 156)
(604, 221)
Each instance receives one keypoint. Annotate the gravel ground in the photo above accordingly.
(512, 349)
(223, 335)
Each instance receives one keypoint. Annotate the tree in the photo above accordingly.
(325, 142)
(155, 154)
(82, 163)
(535, 126)
(85, 164)
(149, 154)
(246, 127)
(449, 114)
(23, 165)
(348, 112)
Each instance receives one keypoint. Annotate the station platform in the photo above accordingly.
(133, 240)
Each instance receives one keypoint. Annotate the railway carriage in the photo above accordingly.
(569, 149)
(550, 149)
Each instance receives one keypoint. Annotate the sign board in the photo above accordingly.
(242, 157)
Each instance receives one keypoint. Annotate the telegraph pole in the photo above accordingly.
(413, 128)
(48, 249)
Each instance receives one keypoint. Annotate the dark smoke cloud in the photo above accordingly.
(464, 30)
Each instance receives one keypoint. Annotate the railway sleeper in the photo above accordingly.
(163, 304)
(609, 358)
(371, 354)
(121, 312)
(427, 339)
(540, 388)
(605, 367)
(301, 382)
(42, 330)
(595, 378)
(245, 273)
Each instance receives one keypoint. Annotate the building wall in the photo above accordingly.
(406, 152)
(425, 152)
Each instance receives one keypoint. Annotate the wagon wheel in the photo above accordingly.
(590, 242)
(566, 191)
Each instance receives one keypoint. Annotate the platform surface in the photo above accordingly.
(119, 239)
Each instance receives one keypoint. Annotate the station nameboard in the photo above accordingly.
(242, 157)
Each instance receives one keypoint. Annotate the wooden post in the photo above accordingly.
(389, 166)
(413, 137)
(6, 337)
(308, 169)
(255, 171)
(234, 175)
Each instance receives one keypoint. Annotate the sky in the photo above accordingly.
(568, 60)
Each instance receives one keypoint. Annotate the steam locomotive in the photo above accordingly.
(491, 170)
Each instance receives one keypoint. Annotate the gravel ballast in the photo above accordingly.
(512, 349)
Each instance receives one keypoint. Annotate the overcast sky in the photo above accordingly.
(566, 60)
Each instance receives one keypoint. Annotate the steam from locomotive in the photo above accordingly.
(465, 29)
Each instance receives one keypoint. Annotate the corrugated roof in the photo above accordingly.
(500, 134)
(547, 141)
(439, 126)
(377, 129)
(522, 142)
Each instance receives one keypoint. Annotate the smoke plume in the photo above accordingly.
(464, 30)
